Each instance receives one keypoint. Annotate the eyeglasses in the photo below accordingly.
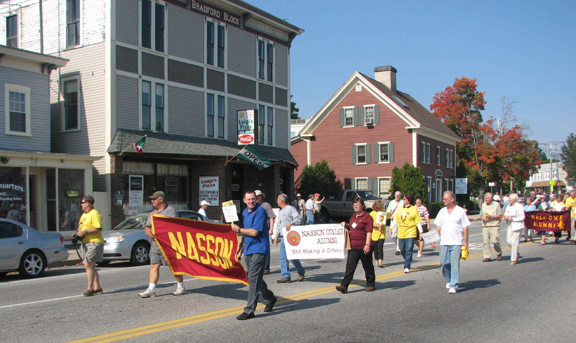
(83, 202)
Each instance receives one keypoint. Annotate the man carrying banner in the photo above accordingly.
(256, 246)
(287, 217)
(161, 207)
(271, 219)
(491, 214)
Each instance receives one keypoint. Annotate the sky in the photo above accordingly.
(523, 50)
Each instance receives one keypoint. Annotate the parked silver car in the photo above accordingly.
(28, 251)
(128, 241)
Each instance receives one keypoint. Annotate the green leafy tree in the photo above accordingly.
(569, 156)
(294, 111)
(409, 179)
(320, 179)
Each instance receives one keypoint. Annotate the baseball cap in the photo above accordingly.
(316, 194)
(298, 195)
(158, 194)
(204, 202)
(259, 192)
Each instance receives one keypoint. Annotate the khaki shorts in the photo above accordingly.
(156, 256)
(92, 252)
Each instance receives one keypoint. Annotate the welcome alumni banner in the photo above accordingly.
(199, 249)
(314, 242)
(547, 221)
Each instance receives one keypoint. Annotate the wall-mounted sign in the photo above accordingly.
(461, 185)
(247, 126)
(136, 191)
(209, 190)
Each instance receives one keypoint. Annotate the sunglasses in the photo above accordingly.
(83, 202)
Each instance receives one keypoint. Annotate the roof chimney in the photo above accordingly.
(386, 75)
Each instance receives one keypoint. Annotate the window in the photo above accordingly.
(270, 125)
(261, 123)
(349, 117)
(18, 109)
(361, 183)
(72, 23)
(384, 187)
(384, 152)
(423, 152)
(152, 106)
(70, 89)
(361, 153)
(369, 112)
(429, 187)
(9, 230)
(215, 43)
(149, 16)
(438, 155)
(449, 158)
(265, 59)
(215, 115)
(12, 31)
(428, 153)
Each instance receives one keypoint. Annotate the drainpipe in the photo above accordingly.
(41, 28)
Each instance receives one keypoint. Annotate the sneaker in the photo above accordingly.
(180, 291)
(244, 316)
(147, 294)
(419, 255)
(97, 291)
(88, 293)
(406, 271)
(398, 252)
(284, 280)
(301, 277)
(452, 291)
(447, 285)
(486, 260)
(270, 305)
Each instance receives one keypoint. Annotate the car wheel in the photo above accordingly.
(140, 254)
(324, 217)
(103, 263)
(32, 264)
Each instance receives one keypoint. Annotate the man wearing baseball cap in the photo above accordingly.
(203, 206)
(156, 258)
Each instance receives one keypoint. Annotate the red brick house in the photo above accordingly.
(368, 127)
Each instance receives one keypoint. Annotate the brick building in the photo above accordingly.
(368, 127)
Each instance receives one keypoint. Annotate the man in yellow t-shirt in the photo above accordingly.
(90, 230)
(571, 205)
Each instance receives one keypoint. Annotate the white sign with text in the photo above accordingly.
(311, 242)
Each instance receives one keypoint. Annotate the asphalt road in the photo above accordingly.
(532, 301)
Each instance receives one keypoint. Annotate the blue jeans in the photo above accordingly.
(285, 264)
(406, 248)
(450, 263)
(309, 217)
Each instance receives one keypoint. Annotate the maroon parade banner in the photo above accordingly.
(547, 221)
(199, 249)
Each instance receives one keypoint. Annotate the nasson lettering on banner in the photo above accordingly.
(314, 242)
(199, 249)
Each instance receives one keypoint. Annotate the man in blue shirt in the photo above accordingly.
(256, 247)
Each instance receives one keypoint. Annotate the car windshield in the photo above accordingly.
(133, 223)
(367, 195)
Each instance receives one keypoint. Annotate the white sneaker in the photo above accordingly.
(447, 285)
(180, 291)
(452, 291)
(406, 271)
(147, 294)
(419, 255)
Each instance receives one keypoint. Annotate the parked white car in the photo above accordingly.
(28, 251)
(128, 241)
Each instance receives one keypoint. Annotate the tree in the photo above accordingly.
(569, 156)
(294, 111)
(496, 150)
(320, 179)
(409, 179)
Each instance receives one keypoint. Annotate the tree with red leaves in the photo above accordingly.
(491, 151)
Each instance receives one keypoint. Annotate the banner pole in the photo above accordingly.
(231, 158)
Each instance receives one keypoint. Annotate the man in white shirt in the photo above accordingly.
(203, 206)
(393, 206)
(452, 225)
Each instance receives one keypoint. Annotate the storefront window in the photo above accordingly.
(70, 192)
(13, 194)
